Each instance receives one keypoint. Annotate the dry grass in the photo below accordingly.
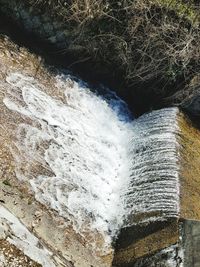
(143, 40)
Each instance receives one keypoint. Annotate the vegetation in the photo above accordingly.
(152, 44)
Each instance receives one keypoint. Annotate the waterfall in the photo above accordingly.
(153, 191)
(83, 156)
(82, 141)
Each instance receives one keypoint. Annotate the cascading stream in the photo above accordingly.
(84, 157)
(82, 140)
(153, 190)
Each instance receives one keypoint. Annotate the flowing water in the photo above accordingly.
(103, 170)
(153, 190)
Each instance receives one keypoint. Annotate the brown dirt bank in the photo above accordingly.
(147, 50)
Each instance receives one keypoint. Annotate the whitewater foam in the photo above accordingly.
(86, 151)
(100, 167)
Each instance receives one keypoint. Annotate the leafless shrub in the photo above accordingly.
(144, 40)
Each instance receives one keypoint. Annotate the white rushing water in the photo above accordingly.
(86, 151)
(154, 176)
(102, 168)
